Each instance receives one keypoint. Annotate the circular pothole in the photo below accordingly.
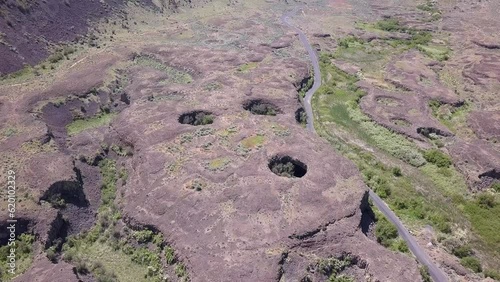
(388, 101)
(287, 166)
(432, 133)
(301, 116)
(401, 122)
(197, 118)
(261, 107)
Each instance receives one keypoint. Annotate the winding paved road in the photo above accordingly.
(436, 273)
(314, 60)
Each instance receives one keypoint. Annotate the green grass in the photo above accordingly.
(437, 52)
(253, 141)
(218, 164)
(485, 222)
(80, 125)
(247, 67)
(337, 102)
(113, 261)
(454, 118)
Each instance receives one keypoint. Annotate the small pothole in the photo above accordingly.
(287, 166)
(261, 107)
(301, 116)
(197, 118)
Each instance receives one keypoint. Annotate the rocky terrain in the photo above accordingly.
(162, 140)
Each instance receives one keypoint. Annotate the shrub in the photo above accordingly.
(143, 236)
(462, 251)
(472, 263)
(486, 200)
(492, 274)
(333, 266)
(56, 57)
(396, 171)
(437, 157)
(51, 254)
(180, 270)
(400, 245)
(389, 25)
(424, 272)
(385, 232)
(496, 186)
(169, 255)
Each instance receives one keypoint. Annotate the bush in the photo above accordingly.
(56, 57)
(143, 236)
(471, 263)
(169, 255)
(396, 171)
(385, 232)
(486, 200)
(51, 254)
(389, 25)
(492, 274)
(496, 186)
(462, 251)
(180, 270)
(424, 272)
(400, 245)
(437, 157)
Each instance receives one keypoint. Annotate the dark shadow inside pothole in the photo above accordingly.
(62, 193)
(197, 118)
(432, 133)
(401, 122)
(488, 179)
(287, 166)
(301, 116)
(261, 107)
(388, 101)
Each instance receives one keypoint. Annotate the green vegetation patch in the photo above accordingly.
(305, 86)
(332, 267)
(354, 49)
(337, 101)
(80, 125)
(437, 52)
(253, 141)
(471, 263)
(387, 234)
(24, 256)
(109, 253)
(175, 75)
(438, 158)
(247, 67)
(454, 118)
(218, 164)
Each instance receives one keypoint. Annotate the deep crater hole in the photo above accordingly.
(197, 118)
(261, 107)
(301, 116)
(287, 166)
